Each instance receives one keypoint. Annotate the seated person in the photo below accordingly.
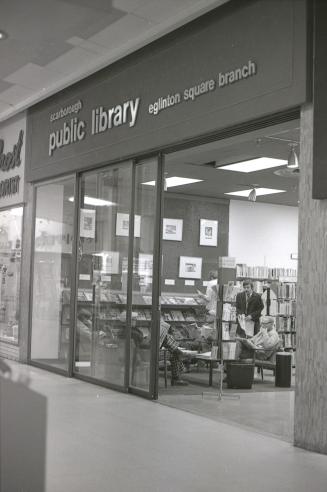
(267, 338)
(168, 342)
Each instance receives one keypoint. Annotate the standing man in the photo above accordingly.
(250, 304)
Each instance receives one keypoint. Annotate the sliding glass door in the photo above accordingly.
(53, 253)
(95, 305)
(102, 274)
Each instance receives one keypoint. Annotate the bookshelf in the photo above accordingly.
(278, 289)
(179, 310)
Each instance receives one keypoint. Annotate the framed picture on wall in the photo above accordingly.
(208, 232)
(172, 229)
(190, 267)
(122, 225)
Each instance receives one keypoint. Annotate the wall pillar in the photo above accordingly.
(310, 422)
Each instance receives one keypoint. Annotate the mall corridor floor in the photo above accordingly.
(101, 440)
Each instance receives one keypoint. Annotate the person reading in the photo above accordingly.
(264, 342)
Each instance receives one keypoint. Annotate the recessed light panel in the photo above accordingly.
(259, 192)
(175, 181)
(253, 165)
(96, 202)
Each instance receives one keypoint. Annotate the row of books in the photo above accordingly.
(285, 324)
(118, 298)
(287, 291)
(286, 308)
(145, 315)
(178, 315)
(243, 270)
(288, 339)
(180, 300)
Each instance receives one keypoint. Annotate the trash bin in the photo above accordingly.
(283, 369)
(240, 375)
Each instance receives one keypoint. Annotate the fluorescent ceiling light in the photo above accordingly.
(254, 165)
(259, 192)
(175, 181)
(96, 202)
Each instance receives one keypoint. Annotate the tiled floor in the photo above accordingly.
(101, 440)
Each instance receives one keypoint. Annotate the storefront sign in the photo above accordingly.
(191, 93)
(226, 68)
(12, 162)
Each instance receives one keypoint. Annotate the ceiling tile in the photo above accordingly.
(4, 85)
(87, 45)
(74, 60)
(32, 76)
(16, 94)
(121, 32)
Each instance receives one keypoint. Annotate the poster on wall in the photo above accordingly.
(122, 225)
(190, 267)
(208, 232)
(110, 262)
(145, 265)
(172, 229)
(87, 223)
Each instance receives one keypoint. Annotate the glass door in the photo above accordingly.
(144, 289)
(52, 267)
(102, 274)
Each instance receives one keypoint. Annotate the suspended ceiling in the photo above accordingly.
(54, 43)
(199, 163)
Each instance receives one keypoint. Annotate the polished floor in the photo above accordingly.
(101, 440)
(264, 408)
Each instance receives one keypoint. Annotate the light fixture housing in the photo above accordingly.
(293, 160)
(3, 35)
(258, 192)
(174, 181)
(253, 165)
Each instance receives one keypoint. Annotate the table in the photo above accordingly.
(206, 356)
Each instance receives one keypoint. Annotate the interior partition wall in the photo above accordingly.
(88, 294)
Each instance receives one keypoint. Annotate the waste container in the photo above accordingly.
(240, 375)
(283, 369)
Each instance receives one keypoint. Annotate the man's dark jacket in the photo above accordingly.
(254, 308)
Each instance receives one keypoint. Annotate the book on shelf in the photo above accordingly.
(188, 315)
(229, 312)
(229, 350)
(263, 272)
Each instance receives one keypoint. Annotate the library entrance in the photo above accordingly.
(87, 291)
(229, 249)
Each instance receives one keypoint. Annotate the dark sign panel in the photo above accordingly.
(243, 61)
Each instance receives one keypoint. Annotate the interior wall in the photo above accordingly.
(263, 234)
(191, 209)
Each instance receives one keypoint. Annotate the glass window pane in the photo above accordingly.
(145, 210)
(54, 221)
(10, 264)
(102, 274)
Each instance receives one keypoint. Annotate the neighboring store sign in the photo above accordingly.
(12, 162)
(228, 67)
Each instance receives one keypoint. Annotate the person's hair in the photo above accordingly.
(213, 274)
(248, 282)
(265, 320)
